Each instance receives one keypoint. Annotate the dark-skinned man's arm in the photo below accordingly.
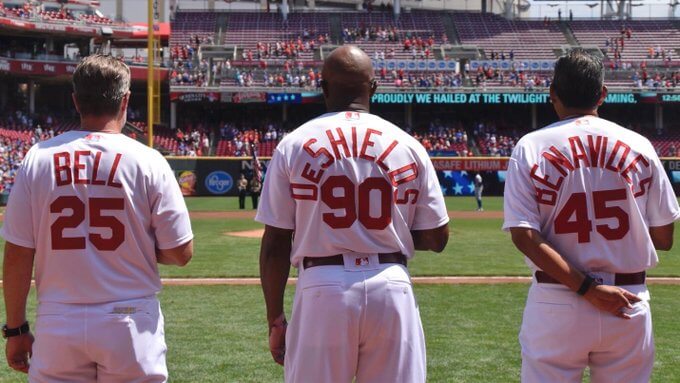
(431, 240)
(16, 278)
(662, 236)
(274, 270)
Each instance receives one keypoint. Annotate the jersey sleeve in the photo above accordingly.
(277, 207)
(520, 208)
(17, 227)
(662, 205)
(169, 215)
(431, 210)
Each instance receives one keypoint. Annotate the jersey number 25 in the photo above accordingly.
(97, 220)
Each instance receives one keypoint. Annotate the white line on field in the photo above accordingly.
(480, 280)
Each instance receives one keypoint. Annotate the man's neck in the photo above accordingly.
(353, 107)
(573, 113)
(102, 125)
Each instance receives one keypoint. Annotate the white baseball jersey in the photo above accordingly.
(593, 189)
(478, 181)
(95, 206)
(351, 182)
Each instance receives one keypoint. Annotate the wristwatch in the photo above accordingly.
(10, 332)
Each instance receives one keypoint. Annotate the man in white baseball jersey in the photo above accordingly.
(479, 187)
(96, 212)
(588, 202)
(360, 195)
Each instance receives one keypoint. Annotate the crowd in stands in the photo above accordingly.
(186, 69)
(614, 46)
(185, 72)
(643, 79)
(187, 51)
(454, 139)
(515, 77)
(18, 132)
(311, 79)
(444, 138)
(12, 152)
(31, 11)
(290, 49)
(381, 33)
(239, 141)
(192, 142)
(402, 79)
(493, 55)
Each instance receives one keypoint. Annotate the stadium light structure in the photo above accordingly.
(153, 73)
(150, 71)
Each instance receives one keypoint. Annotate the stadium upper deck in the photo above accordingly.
(71, 17)
(419, 49)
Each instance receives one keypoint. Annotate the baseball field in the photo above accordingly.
(216, 332)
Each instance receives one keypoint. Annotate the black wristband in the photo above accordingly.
(587, 282)
(10, 332)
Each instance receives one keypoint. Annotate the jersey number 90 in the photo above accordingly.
(357, 208)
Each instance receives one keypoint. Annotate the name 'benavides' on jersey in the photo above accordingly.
(593, 189)
(95, 206)
(351, 182)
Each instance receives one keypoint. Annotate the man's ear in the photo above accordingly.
(553, 94)
(603, 96)
(124, 105)
(75, 102)
(324, 88)
(374, 87)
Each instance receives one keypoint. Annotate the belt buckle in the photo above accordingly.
(602, 278)
(360, 261)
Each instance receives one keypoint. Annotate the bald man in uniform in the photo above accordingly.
(361, 196)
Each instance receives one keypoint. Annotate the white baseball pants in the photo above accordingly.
(562, 334)
(111, 342)
(355, 321)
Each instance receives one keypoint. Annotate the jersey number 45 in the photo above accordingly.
(577, 206)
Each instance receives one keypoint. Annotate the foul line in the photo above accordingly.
(416, 280)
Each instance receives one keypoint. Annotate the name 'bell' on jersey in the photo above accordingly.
(351, 178)
(95, 206)
(593, 189)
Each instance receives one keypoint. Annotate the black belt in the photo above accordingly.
(620, 279)
(308, 262)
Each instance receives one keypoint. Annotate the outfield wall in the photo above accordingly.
(216, 176)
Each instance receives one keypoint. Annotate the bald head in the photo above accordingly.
(348, 77)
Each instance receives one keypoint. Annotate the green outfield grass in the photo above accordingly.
(476, 247)
(218, 333)
(231, 203)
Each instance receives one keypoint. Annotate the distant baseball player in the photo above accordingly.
(587, 202)
(96, 212)
(479, 187)
(242, 186)
(360, 195)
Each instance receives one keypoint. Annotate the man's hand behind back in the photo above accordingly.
(611, 299)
